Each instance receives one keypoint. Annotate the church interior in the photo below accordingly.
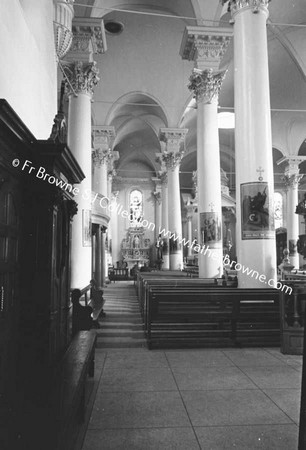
(153, 224)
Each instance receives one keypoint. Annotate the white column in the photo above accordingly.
(102, 155)
(158, 207)
(171, 157)
(164, 218)
(189, 229)
(206, 86)
(293, 220)
(206, 46)
(114, 225)
(82, 78)
(256, 247)
(292, 178)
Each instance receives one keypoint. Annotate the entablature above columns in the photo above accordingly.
(205, 45)
(173, 152)
(103, 137)
(88, 38)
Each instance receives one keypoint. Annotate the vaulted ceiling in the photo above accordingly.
(144, 80)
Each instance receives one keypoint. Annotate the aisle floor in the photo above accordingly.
(210, 399)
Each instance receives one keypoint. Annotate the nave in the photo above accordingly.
(207, 399)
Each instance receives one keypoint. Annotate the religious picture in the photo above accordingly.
(257, 215)
(210, 226)
(86, 227)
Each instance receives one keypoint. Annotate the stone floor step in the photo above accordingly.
(122, 327)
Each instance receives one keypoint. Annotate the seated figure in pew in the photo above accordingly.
(81, 315)
(97, 300)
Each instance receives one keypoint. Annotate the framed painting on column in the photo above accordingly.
(257, 219)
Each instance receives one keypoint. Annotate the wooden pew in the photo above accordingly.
(211, 316)
(118, 274)
(69, 391)
(145, 283)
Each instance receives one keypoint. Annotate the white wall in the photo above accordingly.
(28, 74)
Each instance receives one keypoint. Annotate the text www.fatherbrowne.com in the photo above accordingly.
(105, 202)
(205, 250)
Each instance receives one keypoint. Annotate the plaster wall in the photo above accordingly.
(28, 75)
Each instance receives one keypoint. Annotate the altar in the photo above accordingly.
(135, 248)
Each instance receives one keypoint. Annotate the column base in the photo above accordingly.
(166, 262)
(211, 265)
(176, 261)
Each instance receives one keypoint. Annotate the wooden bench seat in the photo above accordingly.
(76, 365)
(198, 316)
(118, 275)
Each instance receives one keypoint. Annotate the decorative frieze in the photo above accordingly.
(205, 45)
(173, 137)
(173, 152)
(88, 37)
(81, 77)
(103, 135)
(236, 5)
(206, 84)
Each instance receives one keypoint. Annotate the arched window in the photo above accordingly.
(136, 208)
(278, 210)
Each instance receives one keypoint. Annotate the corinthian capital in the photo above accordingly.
(206, 85)
(235, 6)
(101, 156)
(82, 77)
(163, 178)
(172, 151)
(292, 181)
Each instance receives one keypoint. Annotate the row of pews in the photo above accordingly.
(180, 312)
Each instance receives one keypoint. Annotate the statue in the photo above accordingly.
(159, 245)
(136, 241)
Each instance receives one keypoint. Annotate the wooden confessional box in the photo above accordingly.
(35, 235)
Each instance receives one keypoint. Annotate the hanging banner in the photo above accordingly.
(257, 218)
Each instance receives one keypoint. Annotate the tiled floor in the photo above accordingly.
(194, 399)
(208, 399)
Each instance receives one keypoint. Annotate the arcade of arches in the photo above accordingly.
(120, 119)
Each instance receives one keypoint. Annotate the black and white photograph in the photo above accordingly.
(152, 224)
